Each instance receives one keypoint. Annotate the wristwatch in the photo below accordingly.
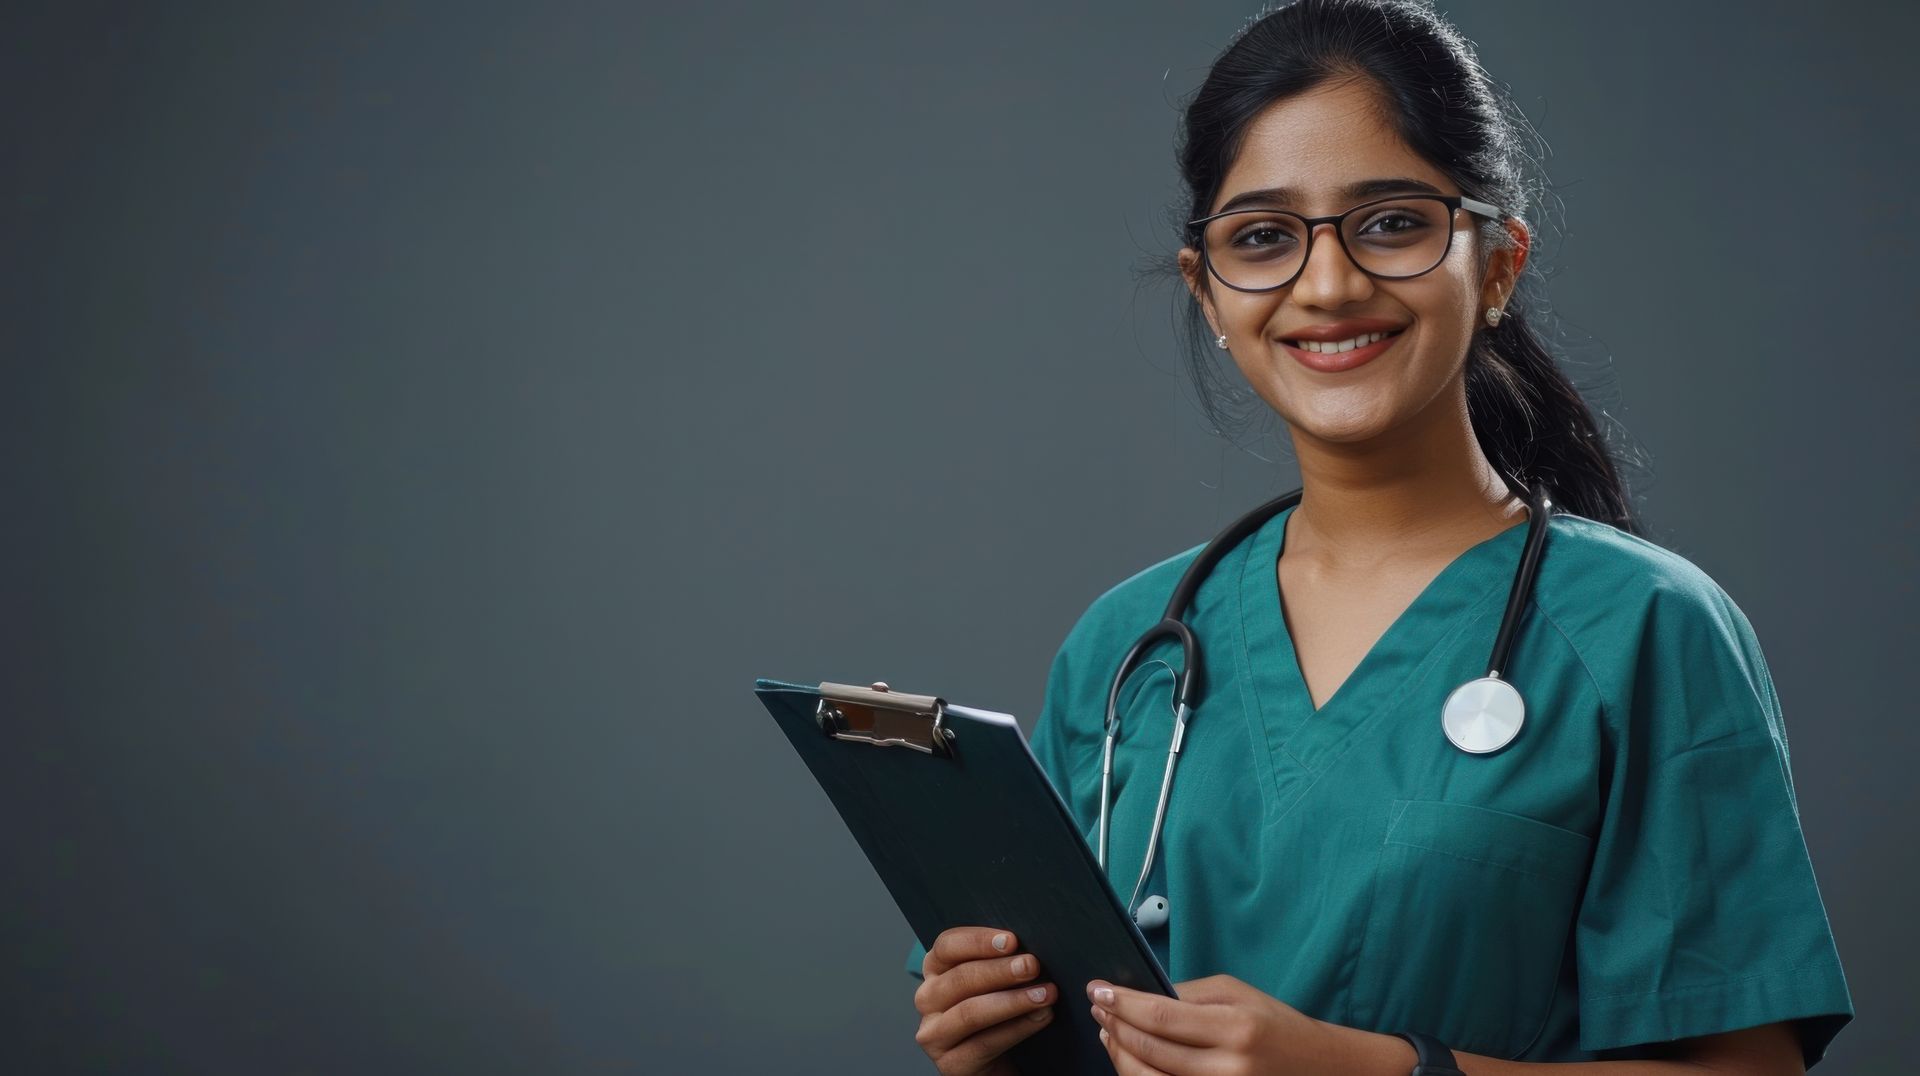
(1432, 1058)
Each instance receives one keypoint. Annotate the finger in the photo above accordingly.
(944, 991)
(1212, 990)
(1124, 1062)
(1151, 1049)
(948, 1030)
(957, 945)
(1187, 1022)
(985, 1010)
(985, 1045)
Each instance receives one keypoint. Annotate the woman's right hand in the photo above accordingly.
(977, 1000)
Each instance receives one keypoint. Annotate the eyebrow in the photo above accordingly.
(1366, 188)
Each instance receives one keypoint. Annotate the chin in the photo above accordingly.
(1342, 436)
(1340, 427)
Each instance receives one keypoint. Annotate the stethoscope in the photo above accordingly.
(1480, 716)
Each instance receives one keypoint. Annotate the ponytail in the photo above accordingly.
(1535, 427)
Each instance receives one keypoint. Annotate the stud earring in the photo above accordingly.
(1493, 315)
(1220, 341)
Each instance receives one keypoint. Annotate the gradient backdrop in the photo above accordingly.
(422, 423)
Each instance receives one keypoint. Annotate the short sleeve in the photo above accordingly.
(1701, 914)
(1048, 744)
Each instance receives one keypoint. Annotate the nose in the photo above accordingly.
(1329, 279)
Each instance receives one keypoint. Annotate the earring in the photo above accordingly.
(1493, 315)
(1220, 341)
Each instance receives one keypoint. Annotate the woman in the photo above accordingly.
(1626, 881)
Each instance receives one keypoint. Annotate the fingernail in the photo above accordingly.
(1103, 995)
(1103, 1036)
(1022, 965)
(1000, 942)
(1038, 1015)
(1038, 993)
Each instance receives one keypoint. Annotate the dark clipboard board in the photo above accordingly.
(965, 828)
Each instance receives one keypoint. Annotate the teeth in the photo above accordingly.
(1330, 346)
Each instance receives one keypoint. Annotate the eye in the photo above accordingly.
(1261, 236)
(1402, 221)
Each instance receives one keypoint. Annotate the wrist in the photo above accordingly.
(1349, 1051)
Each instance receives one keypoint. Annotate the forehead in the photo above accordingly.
(1320, 141)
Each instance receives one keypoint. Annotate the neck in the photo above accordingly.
(1424, 488)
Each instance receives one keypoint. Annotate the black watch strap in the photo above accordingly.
(1432, 1058)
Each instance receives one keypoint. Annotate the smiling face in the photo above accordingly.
(1319, 144)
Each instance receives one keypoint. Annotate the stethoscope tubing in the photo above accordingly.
(1187, 683)
(1187, 679)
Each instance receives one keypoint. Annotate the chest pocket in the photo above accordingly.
(1471, 916)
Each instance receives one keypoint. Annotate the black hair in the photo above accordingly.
(1530, 420)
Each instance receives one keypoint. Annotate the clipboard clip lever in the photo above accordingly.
(882, 717)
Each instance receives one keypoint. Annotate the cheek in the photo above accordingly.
(1456, 301)
(1445, 314)
(1245, 316)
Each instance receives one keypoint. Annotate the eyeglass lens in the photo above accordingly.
(1262, 248)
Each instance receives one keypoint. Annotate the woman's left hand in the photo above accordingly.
(1218, 1026)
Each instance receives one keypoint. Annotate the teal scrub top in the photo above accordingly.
(1629, 870)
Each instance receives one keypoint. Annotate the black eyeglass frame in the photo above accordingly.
(1453, 202)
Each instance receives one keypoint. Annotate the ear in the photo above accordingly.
(1503, 268)
(1193, 271)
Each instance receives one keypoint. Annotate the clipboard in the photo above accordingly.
(965, 829)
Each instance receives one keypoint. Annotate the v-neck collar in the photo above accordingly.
(1287, 719)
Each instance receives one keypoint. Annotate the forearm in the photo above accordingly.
(1370, 1053)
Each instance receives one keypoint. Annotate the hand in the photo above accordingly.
(1218, 1026)
(972, 1005)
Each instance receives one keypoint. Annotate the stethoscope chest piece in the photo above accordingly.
(1483, 715)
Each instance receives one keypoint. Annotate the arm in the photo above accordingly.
(1222, 1025)
(1766, 1050)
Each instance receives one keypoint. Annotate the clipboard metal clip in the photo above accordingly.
(884, 718)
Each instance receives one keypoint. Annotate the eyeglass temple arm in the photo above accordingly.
(1485, 209)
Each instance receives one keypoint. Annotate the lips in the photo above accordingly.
(1333, 362)
(1344, 329)
(1329, 346)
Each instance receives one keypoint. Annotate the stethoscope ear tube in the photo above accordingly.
(1483, 715)
(1186, 684)
(1538, 510)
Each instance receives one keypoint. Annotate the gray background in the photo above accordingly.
(421, 424)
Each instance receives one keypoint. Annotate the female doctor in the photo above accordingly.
(1342, 887)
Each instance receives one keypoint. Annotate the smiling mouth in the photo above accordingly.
(1343, 355)
(1332, 347)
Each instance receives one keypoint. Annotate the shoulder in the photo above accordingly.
(1587, 554)
(1119, 614)
(1106, 629)
(1598, 578)
(1643, 618)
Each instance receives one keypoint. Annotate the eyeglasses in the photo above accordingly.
(1390, 238)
